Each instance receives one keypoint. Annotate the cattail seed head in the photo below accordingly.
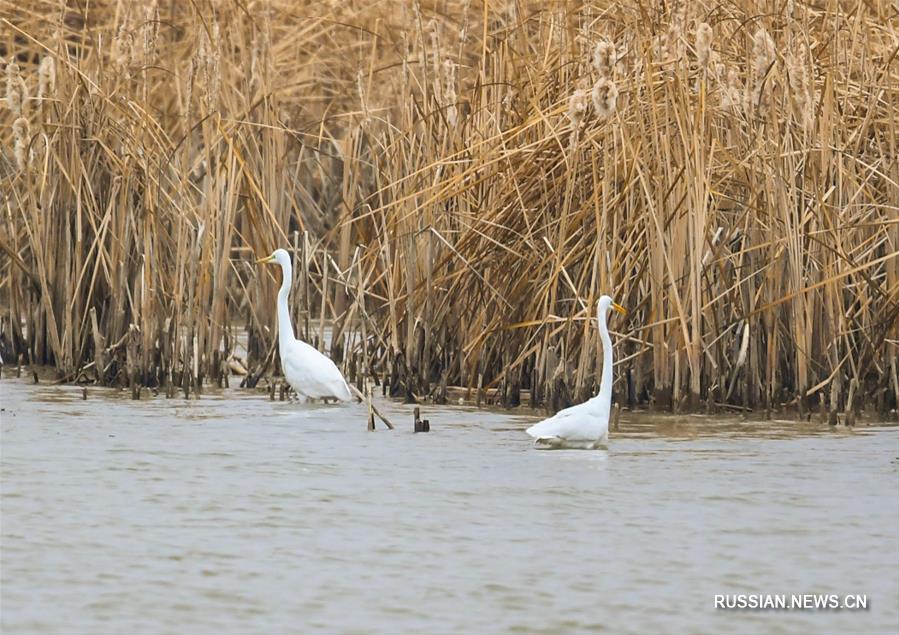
(508, 100)
(604, 58)
(123, 45)
(405, 48)
(46, 77)
(208, 63)
(434, 32)
(703, 44)
(763, 53)
(720, 70)
(215, 70)
(674, 44)
(21, 134)
(255, 55)
(189, 88)
(449, 91)
(463, 30)
(577, 106)
(16, 91)
(763, 57)
(795, 71)
(360, 88)
(800, 88)
(733, 88)
(605, 97)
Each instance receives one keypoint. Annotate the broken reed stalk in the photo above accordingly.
(732, 178)
(367, 399)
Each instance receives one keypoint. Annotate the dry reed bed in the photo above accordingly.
(461, 182)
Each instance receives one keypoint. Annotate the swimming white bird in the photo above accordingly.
(584, 426)
(309, 373)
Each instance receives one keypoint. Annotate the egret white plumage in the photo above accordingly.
(586, 425)
(309, 373)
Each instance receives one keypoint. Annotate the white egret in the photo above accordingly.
(309, 373)
(586, 425)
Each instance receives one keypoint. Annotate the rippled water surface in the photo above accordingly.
(234, 514)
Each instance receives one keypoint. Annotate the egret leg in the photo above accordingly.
(548, 443)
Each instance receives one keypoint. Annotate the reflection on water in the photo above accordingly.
(234, 514)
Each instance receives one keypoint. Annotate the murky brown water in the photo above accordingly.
(233, 514)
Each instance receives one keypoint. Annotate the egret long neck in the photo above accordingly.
(285, 328)
(605, 386)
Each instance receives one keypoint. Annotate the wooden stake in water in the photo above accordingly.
(419, 424)
(371, 412)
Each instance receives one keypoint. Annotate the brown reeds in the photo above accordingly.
(458, 189)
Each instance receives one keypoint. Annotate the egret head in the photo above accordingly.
(605, 303)
(279, 255)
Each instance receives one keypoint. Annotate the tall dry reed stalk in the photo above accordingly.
(460, 182)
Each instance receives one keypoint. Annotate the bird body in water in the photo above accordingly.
(309, 373)
(586, 425)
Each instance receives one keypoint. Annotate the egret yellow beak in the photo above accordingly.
(619, 308)
(267, 259)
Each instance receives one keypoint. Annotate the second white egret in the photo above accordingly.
(309, 373)
(584, 426)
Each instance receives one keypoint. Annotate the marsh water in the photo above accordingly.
(235, 514)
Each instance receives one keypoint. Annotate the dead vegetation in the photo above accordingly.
(460, 182)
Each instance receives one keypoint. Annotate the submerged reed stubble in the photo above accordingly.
(733, 184)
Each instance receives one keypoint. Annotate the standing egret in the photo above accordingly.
(584, 426)
(309, 373)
